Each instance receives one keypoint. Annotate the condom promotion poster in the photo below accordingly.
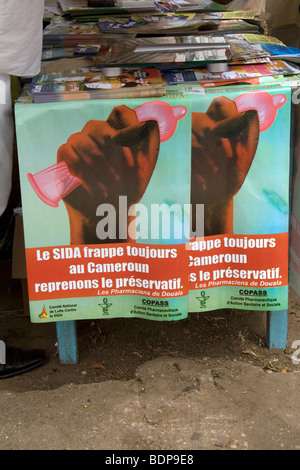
(294, 272)
(155, 208)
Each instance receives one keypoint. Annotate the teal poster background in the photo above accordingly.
(42, 128)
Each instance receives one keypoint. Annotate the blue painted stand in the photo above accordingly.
(277, 326)
(67, 342)
(276, 336)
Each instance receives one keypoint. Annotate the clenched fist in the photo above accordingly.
(112, 158)
(224, 143)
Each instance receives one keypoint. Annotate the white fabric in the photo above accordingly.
(21, 29)
(6, 141)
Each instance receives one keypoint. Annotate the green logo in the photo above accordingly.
(105, 306)
(203, 299)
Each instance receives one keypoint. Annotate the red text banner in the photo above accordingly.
(241, 260)
(92, 270)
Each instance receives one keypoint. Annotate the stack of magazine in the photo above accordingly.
(210, 5)
(153, 50)
(180, 23)
(84, 84)
(235, 74)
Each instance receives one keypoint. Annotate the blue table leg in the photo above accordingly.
(67, 342)
(277, 325)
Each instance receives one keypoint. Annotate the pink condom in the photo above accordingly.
(53, 183)
(162, 112)
(265, 104)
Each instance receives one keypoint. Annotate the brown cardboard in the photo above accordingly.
(18, 256)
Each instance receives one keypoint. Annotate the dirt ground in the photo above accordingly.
(207, 382)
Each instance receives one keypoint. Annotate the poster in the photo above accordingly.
(295, 198)
(156, 208)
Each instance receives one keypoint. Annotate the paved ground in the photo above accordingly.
(172, 403)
